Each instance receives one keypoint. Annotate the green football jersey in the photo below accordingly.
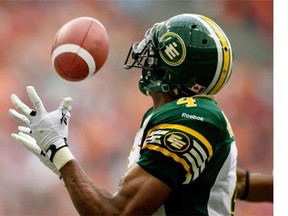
(188, 144)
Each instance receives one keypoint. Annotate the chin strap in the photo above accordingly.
(178, 90)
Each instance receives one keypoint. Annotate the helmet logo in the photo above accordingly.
(174, 51)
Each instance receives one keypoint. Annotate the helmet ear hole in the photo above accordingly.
(160, 73)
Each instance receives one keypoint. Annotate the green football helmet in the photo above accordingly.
(185, 55)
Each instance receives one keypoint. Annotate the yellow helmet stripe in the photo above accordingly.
(227, 56)
(213, 34)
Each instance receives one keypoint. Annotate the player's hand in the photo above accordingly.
(50, 130)
(25, 139)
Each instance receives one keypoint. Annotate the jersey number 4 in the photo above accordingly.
(189, 101)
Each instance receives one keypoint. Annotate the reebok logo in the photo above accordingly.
(185, 115)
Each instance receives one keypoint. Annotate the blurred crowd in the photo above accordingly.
(107, 108)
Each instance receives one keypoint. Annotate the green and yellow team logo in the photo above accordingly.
(173, 50)
(177, 141)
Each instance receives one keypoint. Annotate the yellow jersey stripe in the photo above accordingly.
(170, 154)
(187, 130)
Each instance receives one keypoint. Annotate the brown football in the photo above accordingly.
(80, 48)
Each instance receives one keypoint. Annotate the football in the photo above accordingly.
(80, 48)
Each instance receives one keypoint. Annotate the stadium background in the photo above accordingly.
(108, 108)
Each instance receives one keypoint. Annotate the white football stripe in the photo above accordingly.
(72, 48)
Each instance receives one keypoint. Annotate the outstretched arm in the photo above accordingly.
(254, 187)
(139, 192)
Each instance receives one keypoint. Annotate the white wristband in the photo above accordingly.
(62, 156)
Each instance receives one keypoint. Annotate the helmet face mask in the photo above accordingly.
(140, 51)
(186, 55)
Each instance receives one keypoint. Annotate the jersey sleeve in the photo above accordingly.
(174, 153)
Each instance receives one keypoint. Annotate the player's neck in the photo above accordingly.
(160, 99)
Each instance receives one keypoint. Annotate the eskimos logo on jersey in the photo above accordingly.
(173, 51)
(177, 141)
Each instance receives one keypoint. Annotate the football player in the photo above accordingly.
(183, 160)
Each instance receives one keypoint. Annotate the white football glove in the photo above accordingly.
(25, 139)
(50, 130)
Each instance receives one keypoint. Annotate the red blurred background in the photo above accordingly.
(108, 108)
